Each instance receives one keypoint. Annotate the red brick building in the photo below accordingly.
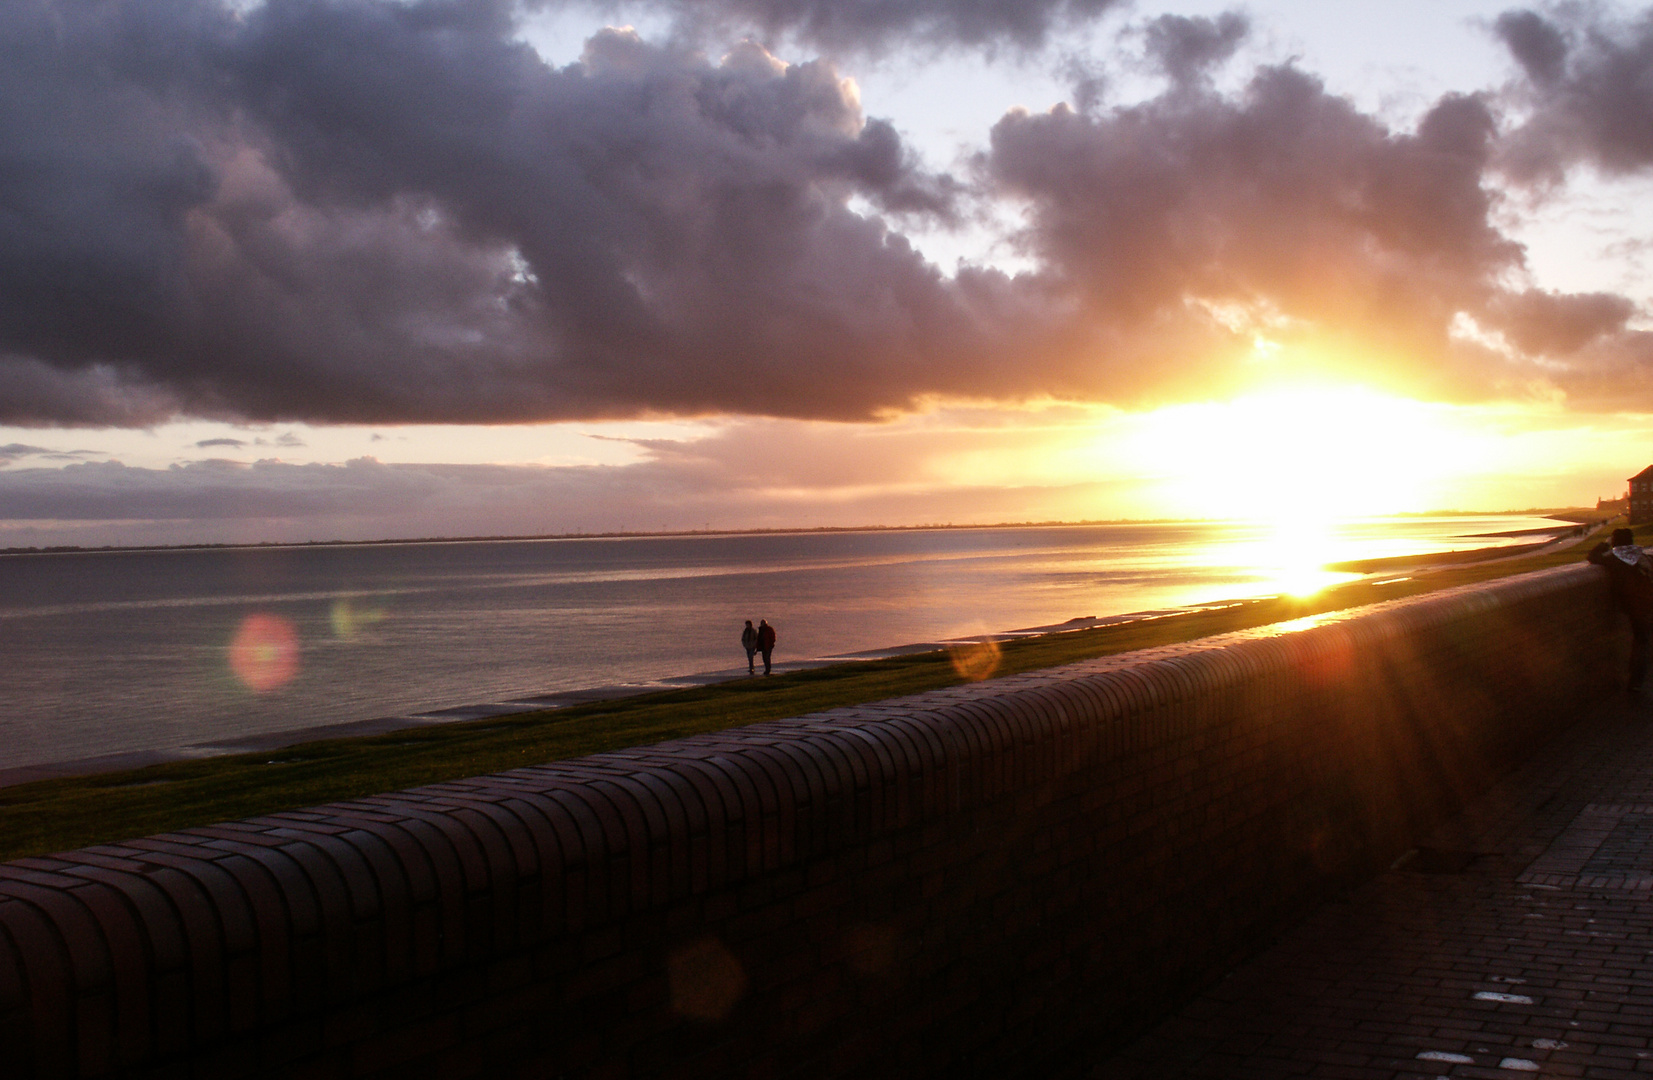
(1641, 497)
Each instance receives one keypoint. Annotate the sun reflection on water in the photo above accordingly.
(1292, 557)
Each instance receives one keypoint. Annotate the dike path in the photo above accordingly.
(1517, 941)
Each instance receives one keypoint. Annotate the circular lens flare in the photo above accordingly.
(349, 621)
(975, 660)
(264, 652)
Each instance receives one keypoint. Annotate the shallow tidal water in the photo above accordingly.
(117, 652)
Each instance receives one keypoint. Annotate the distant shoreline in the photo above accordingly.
(1579, 514)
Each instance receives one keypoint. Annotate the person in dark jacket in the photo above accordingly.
(766, 642)
(749, 642)
(1630, 571)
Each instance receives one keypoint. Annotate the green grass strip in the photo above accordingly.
(61, 814)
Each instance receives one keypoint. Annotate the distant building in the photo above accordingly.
(1641, 497)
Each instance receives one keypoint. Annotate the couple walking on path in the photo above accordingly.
(761, 639)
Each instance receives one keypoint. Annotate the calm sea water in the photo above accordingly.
(114, 652)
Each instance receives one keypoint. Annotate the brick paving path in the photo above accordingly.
(1518, 942)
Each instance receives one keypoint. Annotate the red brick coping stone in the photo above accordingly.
(994, 879)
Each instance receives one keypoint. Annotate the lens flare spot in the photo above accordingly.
(976, 660)
(264, 652)
(705, 979)
(348, 620)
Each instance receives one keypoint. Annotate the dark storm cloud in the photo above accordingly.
(1539, 45)
(1589, 86)
(363, 211)
(1605, 364)
(421, 221)
(1586, 98)
(34, 393)
(1187, 48)
(875, 24)
(1551, 324)
(151, 262)
(1283, 211)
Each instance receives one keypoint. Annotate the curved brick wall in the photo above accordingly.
(991, 880)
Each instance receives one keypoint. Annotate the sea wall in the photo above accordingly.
(1000, 879)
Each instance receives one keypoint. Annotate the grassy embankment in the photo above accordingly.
(56, 815)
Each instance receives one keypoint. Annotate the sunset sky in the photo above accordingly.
(316, 269)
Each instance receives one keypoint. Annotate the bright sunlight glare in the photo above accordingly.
(1301, 455)
(1293, 551)
(1297, 461)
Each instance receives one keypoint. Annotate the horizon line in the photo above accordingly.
(625, 534)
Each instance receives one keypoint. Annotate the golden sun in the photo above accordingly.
(1296, 461)
(1300, 455)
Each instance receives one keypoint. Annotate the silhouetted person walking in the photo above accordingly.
(749, 642)
(766, 642)
(1631, 573)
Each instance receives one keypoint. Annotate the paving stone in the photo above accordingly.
(1517, 942)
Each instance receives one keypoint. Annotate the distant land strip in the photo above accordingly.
(69, 812)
